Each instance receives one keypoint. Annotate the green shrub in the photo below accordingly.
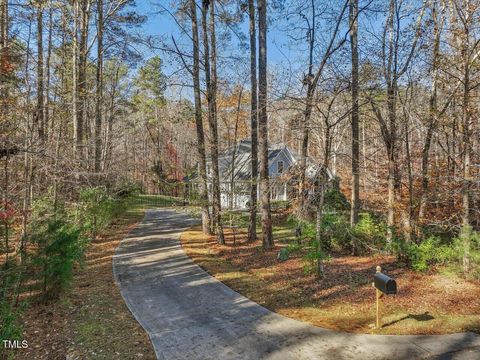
(294, 247)
(370, 230)
(235, 218)
(337, 234)
(45, 209)
(11, 277)
(314, 258)
(307, 229)
(421, 257)
(60, 246)
(126, 188)
(279, 204)
(315, 254)
(96, 209)
(468, 242)
(335, 231)
(335, 200)
(283, 254)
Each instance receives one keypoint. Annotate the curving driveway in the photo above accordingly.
(188, 314)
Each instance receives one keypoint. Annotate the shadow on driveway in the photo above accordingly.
(188, 314)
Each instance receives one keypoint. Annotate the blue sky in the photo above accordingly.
(287, 58)
(162, 25)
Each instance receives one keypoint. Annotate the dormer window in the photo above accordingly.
(280, 167)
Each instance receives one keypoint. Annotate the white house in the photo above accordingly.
(235, 174)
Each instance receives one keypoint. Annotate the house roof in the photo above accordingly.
(240, 155)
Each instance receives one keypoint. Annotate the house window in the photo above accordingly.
(280, 167)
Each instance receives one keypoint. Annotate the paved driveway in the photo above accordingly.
(188, 314)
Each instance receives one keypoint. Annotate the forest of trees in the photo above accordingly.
(383, 93)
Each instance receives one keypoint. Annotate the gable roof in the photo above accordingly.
(241, 151)
(240, 156)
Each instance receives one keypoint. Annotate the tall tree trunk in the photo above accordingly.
(321, 187)
(5, 207)
(392, 72)
(3, 52)
(432, 112)
(234, 153)
(39, 116)
(408, 217)
(82, 78)
(199, 122)
(107, 148)
(392, 192)
(267, 235)
(99, 87)
(3, 38)
(48, 128)
(355, 200)
(28, 168)
(252, 225)
(309, 80)
(305, 140)
(212, 120)
(5, 68)
(466, 156)
(77, 122)
(391, 138)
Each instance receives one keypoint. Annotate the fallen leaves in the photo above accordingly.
(344, 300)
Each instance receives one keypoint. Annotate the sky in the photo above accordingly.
(286, 57)
(162, 25)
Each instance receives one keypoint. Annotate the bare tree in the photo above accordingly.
(393, 70)
(209, 54)
(81, 111)
(99, 88)
(202, 168)
(438, 20)
(252, 225)
(355, 200)
(267, 235)
(77, 121)
(40, 113)
(311, 80)
(467, 13)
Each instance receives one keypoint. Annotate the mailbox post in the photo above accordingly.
(383, 285)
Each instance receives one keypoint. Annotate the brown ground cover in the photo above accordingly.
(91, 321)
(426, 303)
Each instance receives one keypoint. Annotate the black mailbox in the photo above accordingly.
(385, 283)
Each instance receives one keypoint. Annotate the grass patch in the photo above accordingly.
(150, 201)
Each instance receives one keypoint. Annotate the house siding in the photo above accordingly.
(241, 192)
(273, 166)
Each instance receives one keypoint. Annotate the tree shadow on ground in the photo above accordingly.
(418, 317)
(189, 314)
